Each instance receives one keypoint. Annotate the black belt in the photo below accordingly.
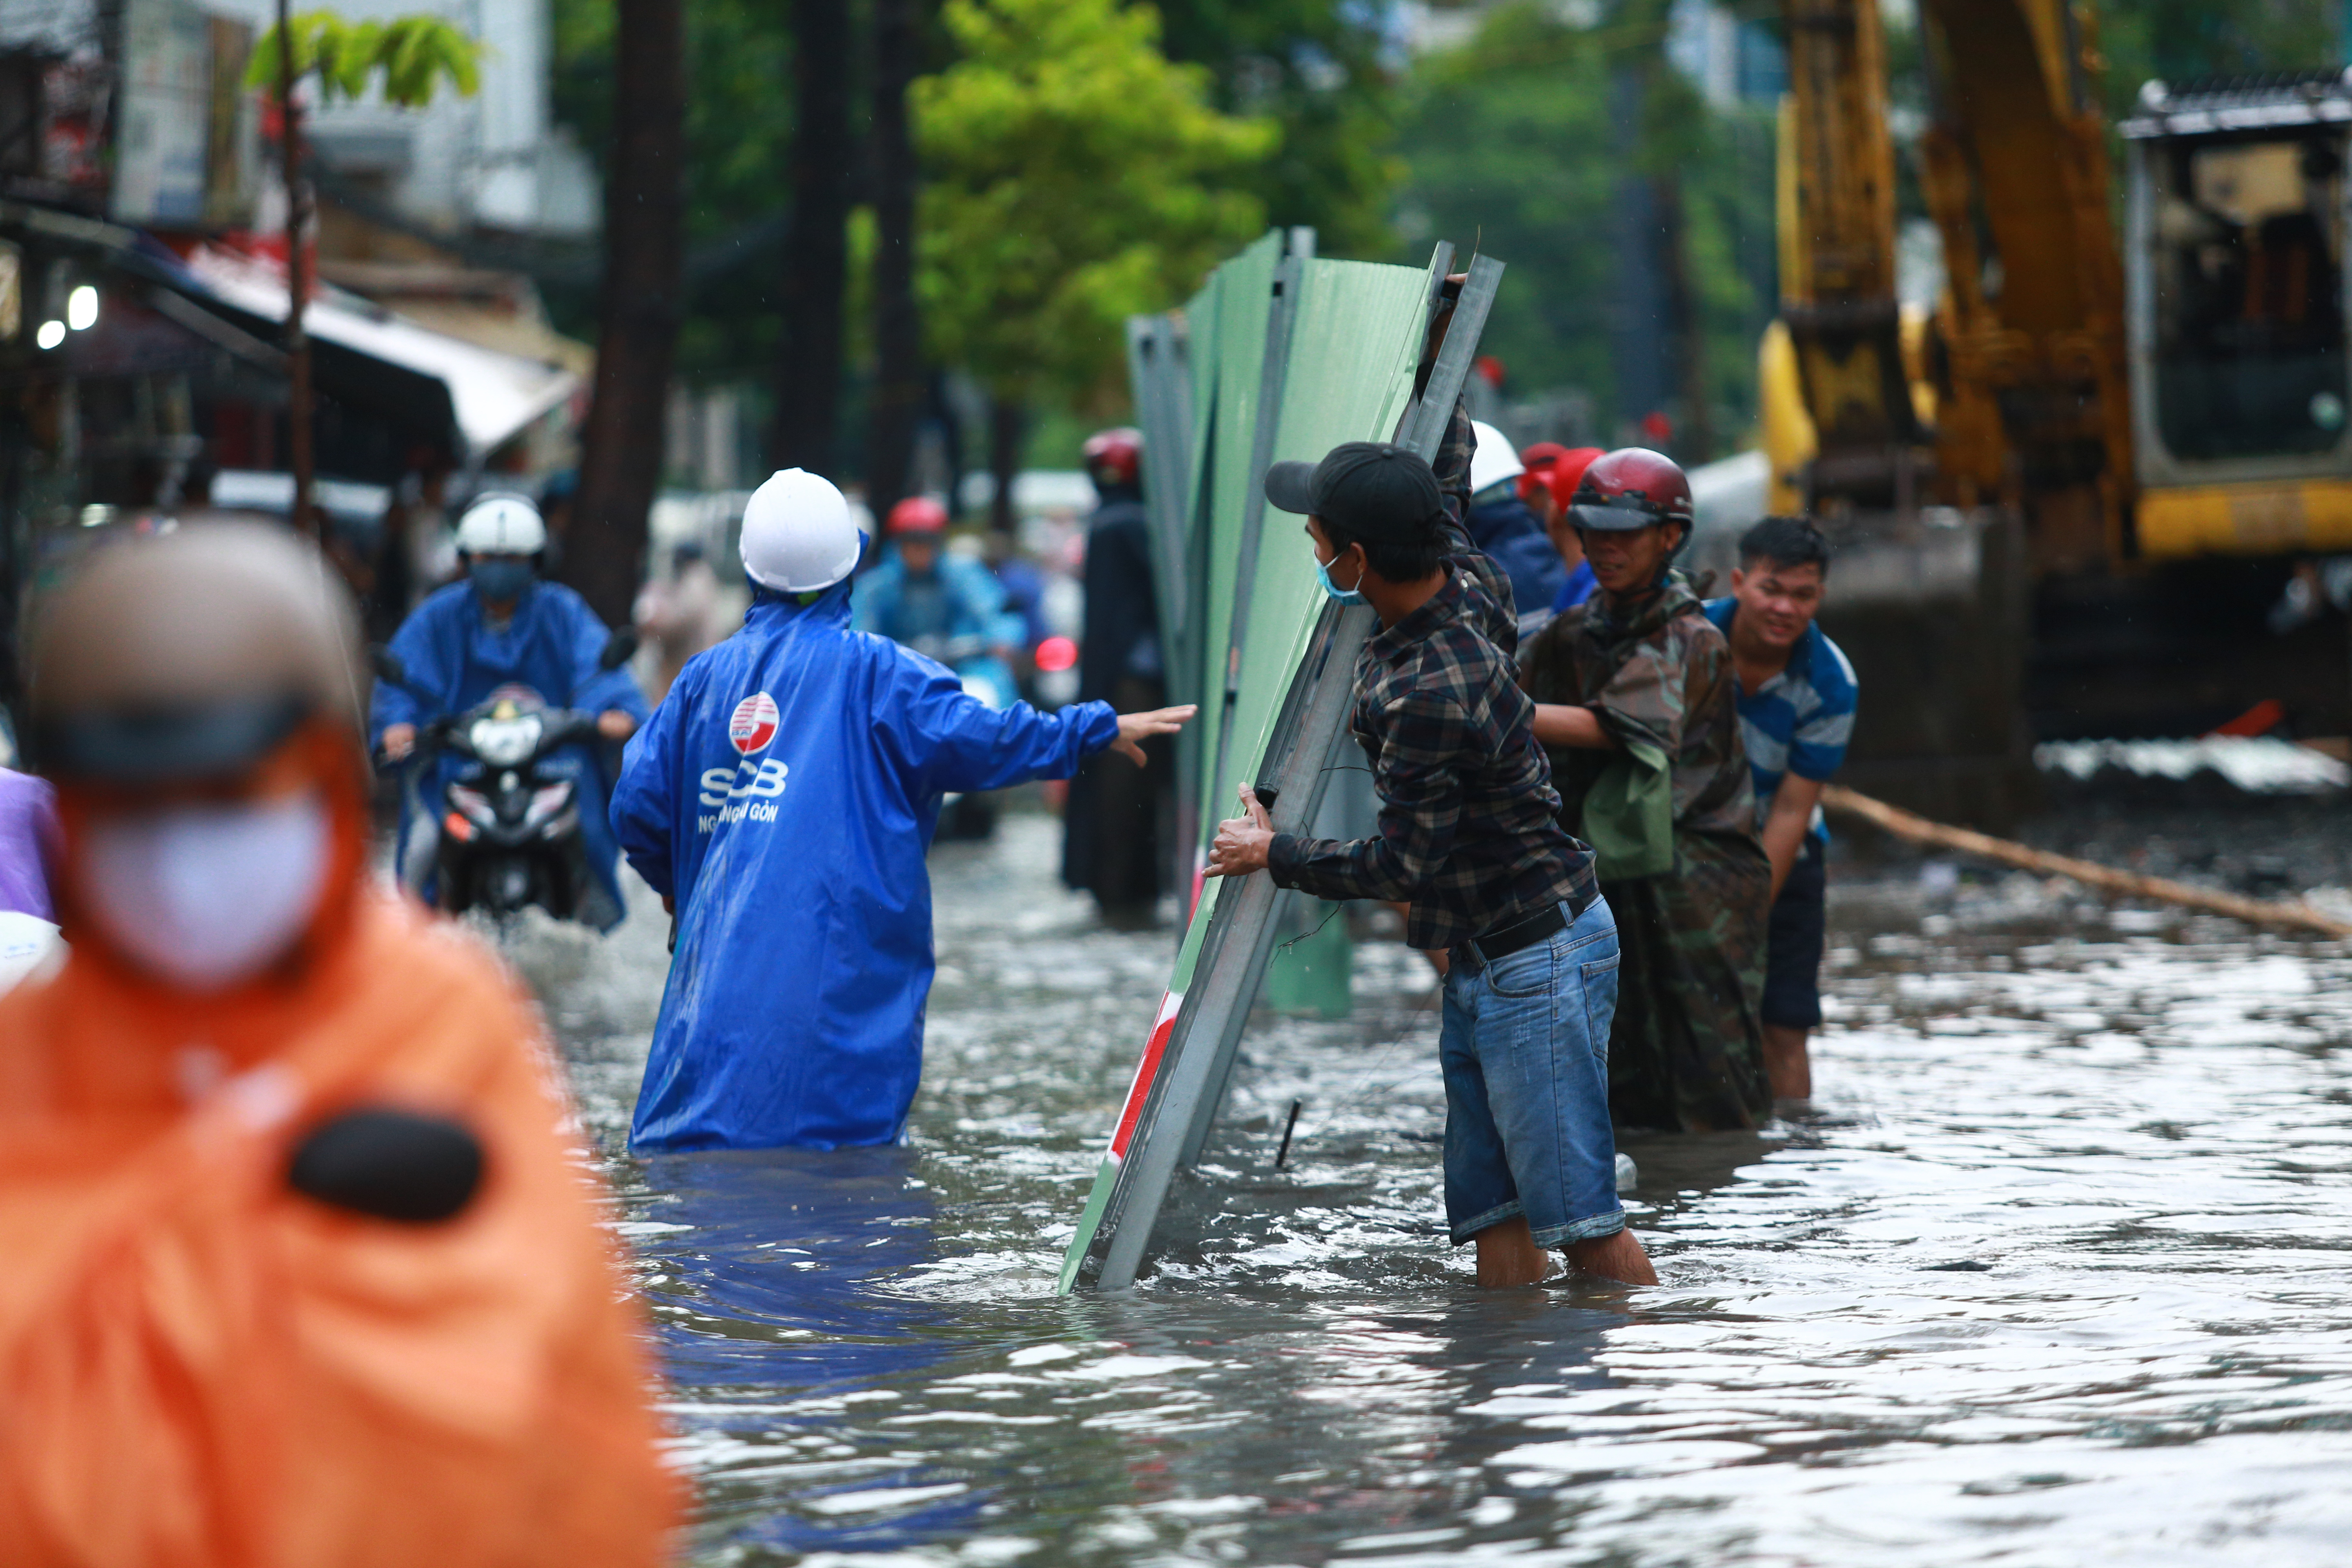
(1500, 945)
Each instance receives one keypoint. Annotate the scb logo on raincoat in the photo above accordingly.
(783, 794)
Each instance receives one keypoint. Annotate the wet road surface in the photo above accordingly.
(2054, 1270)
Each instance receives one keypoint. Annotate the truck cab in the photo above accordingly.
(2235, 278)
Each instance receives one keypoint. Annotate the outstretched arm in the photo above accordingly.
(1420, 810)
(948, 740)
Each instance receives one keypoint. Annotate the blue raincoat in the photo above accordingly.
(1514, 539)
(784, 796)
(550, 645)
(959, 598)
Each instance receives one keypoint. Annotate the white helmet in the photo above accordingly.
(501, 525)
(798, 535)
(1494, 459)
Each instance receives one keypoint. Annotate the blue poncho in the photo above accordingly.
(550, 645)
(783, 795)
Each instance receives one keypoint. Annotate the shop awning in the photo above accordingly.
(492, 396)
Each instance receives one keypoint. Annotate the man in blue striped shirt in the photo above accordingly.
(1796, 714)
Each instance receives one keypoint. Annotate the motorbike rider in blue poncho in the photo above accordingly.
(503, 627)
(780, 800)
(937, 602)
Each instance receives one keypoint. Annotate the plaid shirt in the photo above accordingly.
(1469, 828)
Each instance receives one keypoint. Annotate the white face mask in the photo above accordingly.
(207, 896)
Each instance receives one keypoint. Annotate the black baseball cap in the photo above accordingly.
(1372, 490)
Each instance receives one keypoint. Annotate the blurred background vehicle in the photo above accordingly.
(2071, 492)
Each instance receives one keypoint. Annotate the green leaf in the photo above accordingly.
(1076, 177)
(414, 53)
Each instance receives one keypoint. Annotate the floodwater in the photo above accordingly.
(2057, 1269)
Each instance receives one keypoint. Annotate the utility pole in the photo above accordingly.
(298, 279)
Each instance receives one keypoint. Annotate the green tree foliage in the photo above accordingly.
(2175, 40)
(738, 129)
(1074, 176)
(1317, 69)
(414, 54)
(1510, 143)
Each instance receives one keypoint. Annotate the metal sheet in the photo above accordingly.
(1353, 351)
(1312, 679)
(1161, 383)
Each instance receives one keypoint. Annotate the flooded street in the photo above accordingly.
(2058, 1270)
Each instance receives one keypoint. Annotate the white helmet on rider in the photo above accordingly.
(501, 525)
(1494, 459)
(798, 534)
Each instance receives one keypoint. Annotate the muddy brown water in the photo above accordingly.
(2057, 1269)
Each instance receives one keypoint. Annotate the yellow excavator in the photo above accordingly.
(2074, 487)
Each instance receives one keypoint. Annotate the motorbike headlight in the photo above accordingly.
(505, 742)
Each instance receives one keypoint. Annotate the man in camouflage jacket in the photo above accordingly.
(1637, 706)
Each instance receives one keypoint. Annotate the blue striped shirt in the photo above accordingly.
(1800, 719)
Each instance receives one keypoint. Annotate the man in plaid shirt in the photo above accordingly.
(1470, 837)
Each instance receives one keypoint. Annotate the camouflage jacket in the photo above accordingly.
(1657, 673)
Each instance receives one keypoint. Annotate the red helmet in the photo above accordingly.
(1632, 488)
(1114, 457)
(915, 514)
(1557, 469)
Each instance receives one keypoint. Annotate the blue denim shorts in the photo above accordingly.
(1524, 1052)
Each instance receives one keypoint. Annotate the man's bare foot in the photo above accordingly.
(1508, 1254)
(1618, 1256)
(1787, 1063)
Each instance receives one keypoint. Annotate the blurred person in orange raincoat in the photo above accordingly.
(298, 1266)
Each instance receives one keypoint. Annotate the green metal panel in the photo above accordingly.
(1354, 339)
(1311, 974)
(1244, 298)
(1161, 384)
(1354, 345)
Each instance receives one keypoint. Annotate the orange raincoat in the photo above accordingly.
(201, 1368)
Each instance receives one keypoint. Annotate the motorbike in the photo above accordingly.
(988, 680)
(505, 834)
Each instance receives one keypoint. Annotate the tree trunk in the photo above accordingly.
(1640, 316)
(1008, 422)
(298, 283)
(898, 388)
(816, 255)
(1686, 324)
(638, 316)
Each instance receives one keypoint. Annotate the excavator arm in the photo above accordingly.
(2023, 367)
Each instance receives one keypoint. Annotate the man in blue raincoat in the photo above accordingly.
(780, 800)
(503, 627)
(938, 604)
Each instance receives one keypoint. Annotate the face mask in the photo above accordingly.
(207, 896)
(1339, 595)
(500, 581)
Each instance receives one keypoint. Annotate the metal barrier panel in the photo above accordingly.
(1353, 343)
